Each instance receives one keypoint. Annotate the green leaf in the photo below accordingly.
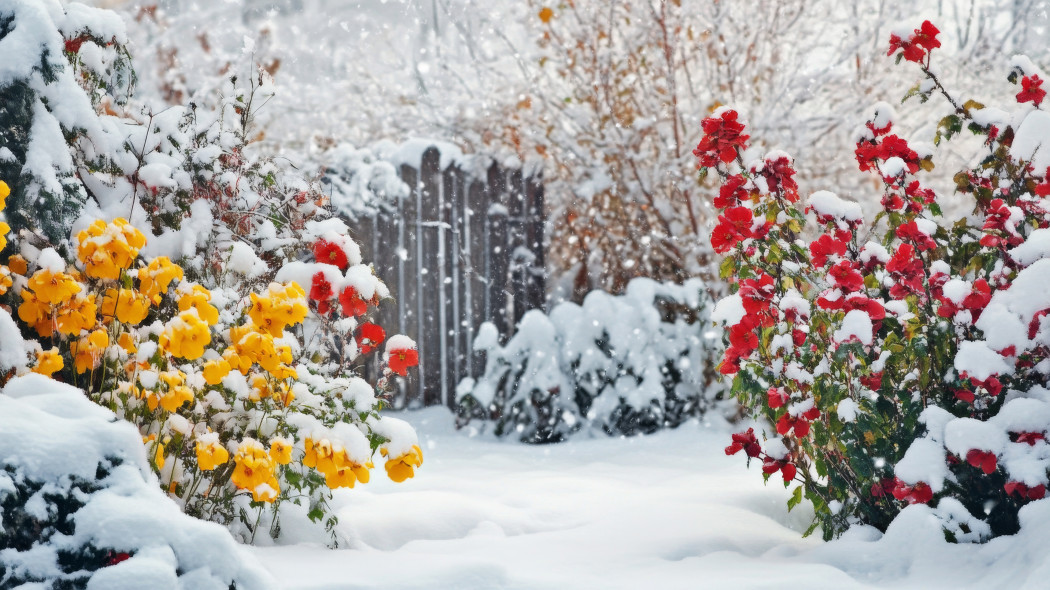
(795, 499)
(727, 268)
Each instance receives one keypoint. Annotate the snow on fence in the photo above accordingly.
(460, 248)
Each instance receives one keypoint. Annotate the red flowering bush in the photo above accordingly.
(903, 362)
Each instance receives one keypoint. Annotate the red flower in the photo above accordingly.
(1031, 90)
(330, 253)
(825, 246)
(918, 43)
(920, 493)
(113, 558)
(873, 381)
(1030, 437)
(787, 470)
(745, 441)
(777, 397)
(787, 423)
(757, 294)
(401, 359)
(73, 45)
(984, 460)
(779, 174)
(964, 395)
(734, 226)
(369, 336)
(353, 305)
(722, 138)
(732, 192)
(321, 289)
(845, 276)
(743, 337)
(910, 231)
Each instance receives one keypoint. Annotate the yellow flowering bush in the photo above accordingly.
(240, 413)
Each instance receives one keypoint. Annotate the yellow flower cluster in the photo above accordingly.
(282, 306)
(157, 276)
(87, 350)
(401, 468)
(173, 395)
(127, 305)
(255, 471)
(198, 298)
(4, 228)
(108, 249)
(48, 361)
(186, 336)
(332, 461)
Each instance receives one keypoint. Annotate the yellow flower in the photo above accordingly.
(185, 336)
(48, 361)
(281, 450)
(173, 399)
(198, 299)
(5, 279)
(87, 350)
(127, 305)
(76, 314)
(4, 229)
(127, 342)
(210, 452)
(284, 394)
(401, 468)
(215, 370)
(282, 306)
(4, 192)
(108, 249)
(156, 277)
(18, 264)
(158, 457)
(254, 471)
(53, 287)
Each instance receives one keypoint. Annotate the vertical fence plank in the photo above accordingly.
(476, 247)
(520, 258)
(455, 281)
(535, 229)
(431, 296)
(498, 255)
(408, 275)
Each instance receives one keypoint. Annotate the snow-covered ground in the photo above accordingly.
(665, 511)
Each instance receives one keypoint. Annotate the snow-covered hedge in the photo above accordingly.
(81, 508)
(620, 364)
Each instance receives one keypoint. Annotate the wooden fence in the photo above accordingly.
(458, 251)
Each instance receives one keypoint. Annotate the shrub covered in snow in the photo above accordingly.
(620, 364)
(908, 363)
(227, 331)
(80, 506)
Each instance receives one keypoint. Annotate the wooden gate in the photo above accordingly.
(458, 251)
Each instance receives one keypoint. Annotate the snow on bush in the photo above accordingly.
(620, 364)
(910, 369)
(80, 506)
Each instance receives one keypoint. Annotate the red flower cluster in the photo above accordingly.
(1031, 90)
(921, 41)
(722, 138)
(920, 493)
(1028, 437)
(734, 226)
(907, 270)
(825, 246)
(745, 441)
(1023, 492)
(353, 304)
(975, 302)
(321, 292)
(910, 231)
(798, 424)
(779, 173)
(998, 231)
(869, 152)
(734, 191)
